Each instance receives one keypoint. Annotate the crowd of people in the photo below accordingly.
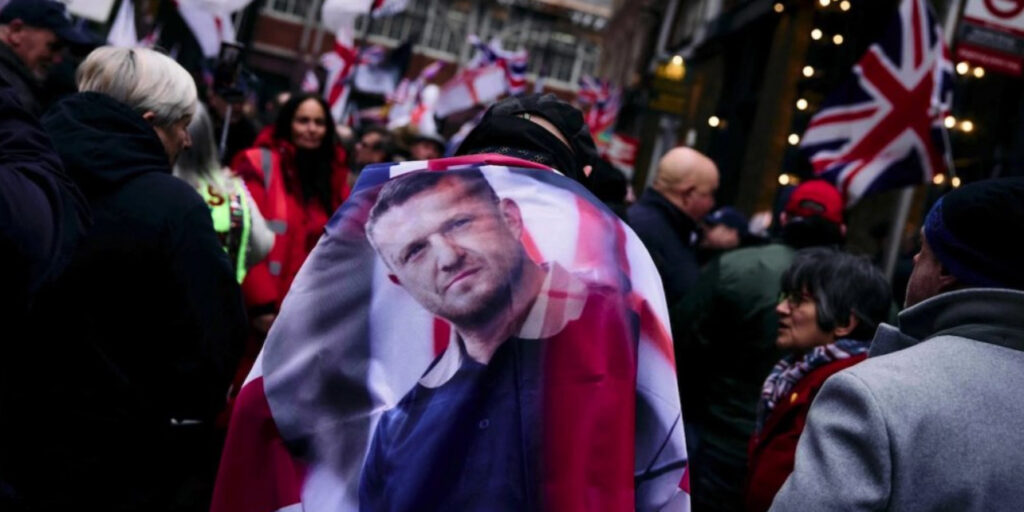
(143, 266)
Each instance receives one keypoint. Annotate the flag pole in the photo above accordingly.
(899, 222)
(360, 47)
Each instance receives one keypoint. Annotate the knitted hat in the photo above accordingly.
(973, 231)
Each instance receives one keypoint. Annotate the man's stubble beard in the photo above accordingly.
(497, 303)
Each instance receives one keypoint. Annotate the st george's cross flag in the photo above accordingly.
(883, 127)
(376, 391)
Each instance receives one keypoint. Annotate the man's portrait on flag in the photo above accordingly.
(475, 415)
(474, 333)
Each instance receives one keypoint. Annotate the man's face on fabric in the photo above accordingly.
(38, 48)
(457, 254)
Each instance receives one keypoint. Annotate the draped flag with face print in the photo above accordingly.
(471, 333)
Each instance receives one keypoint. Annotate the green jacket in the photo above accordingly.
(725, 332)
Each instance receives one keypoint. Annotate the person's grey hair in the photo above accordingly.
(143, 79)
(200, 160)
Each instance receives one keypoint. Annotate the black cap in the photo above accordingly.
(46, 14)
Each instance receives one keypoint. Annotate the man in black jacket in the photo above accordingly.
(666, 215)
(32, 34)
(137, 340)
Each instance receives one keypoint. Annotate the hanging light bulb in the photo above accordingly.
(837, 39)
(824, 3)
(967, 126)
(979, 72)
(949, 122)
(793, 139)
(955, 181)
(784, 179)
(779, 7)
(939, 179)
(808, 71)
(962, 68)
(714, 121)
(845, 5)
(816, 34)
(801, 104)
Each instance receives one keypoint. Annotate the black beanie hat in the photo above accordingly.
(503, 130)
(974, 231)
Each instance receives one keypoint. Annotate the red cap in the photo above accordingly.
(816, 198)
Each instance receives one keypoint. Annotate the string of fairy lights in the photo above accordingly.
(805, 103)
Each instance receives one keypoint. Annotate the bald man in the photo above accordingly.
(665, 217)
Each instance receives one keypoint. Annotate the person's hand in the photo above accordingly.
(263, 322)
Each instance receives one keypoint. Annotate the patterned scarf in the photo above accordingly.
(788, 371)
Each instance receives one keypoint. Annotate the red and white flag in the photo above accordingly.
(471, 87)
(363, 399)
(621, 152)
(339, 63)
(210, 22)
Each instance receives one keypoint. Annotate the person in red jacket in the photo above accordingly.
(297, 176)
(830, 306)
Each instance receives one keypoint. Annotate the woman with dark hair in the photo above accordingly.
(830, 306)
(297, 176)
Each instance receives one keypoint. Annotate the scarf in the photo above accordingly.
(788, 371)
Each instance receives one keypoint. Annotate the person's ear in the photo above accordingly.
(947, 281)
(150, 117)
(512, 216)
(394, 279)
(842, 331)
(15, 29)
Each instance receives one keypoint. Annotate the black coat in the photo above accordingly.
(137, 340)
(671, 237)
(42, 213)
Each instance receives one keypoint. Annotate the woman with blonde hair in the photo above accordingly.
(134, 344)
(241, 228)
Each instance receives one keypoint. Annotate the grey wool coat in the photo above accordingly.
(933, 420)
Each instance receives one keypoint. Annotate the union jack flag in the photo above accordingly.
(605, 100)
(883, 127)
(513, 62)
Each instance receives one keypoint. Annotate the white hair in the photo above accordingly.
(143, 79)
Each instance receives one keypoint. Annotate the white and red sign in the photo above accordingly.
(992, 35)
